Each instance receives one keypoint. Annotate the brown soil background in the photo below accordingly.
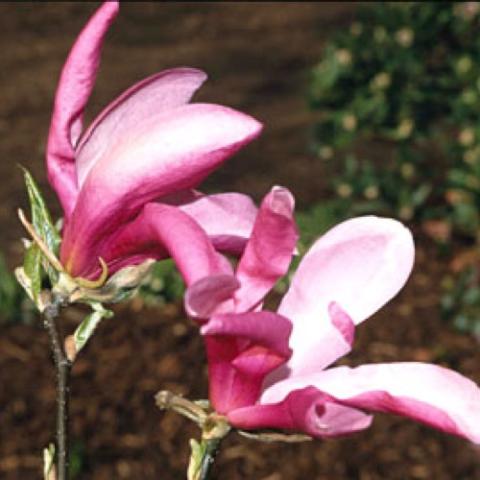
(257, 56)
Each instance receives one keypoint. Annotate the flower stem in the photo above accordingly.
(211, 448)
(214, 430)
(62, 365)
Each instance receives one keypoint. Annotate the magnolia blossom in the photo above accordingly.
(126, 182)
(273, 369)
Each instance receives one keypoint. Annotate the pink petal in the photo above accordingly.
(269, 251)
(308, 411)
(213, 294)
(241, 350)
(317, 353)
(74, 89)
(228, 218)
(173, 152)
(158, 232)
(427, 393)
(159, 93)
(360, 265)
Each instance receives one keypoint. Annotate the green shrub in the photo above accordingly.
(15, 306)
(460, 303)
(403, 82)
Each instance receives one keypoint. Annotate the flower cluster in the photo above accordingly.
(269, 369)
(127, 184)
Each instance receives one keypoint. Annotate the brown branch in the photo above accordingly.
(62, 365)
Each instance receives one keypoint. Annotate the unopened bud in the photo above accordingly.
(371, 192)
(344, 57)
(405, 37)
(466, 137)
(405, 128)
(356, 28)
(406, 212)
(454, 197)
(381, 81)
(344, 190)
(407, 170)
(349, 122)
(325, 152)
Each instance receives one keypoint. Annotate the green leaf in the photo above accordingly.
(87, 327)
(42, 222)
(32, 268)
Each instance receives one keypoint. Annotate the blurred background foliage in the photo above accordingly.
(15, 306)
(403, 82)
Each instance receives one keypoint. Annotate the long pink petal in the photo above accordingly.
(241, 350)
(269, 251)
(211, 295)
(173, 152)
(360, 265)
(228, 218)
(318, 352)
(162, 231)
(427, 393)
(74, 89)
(156, 94)
(307, 411)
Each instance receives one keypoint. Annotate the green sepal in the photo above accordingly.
(196, 459)
(42, 222)
(85, 330)
(120, 286)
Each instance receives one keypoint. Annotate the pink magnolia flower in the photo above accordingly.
(126, 182)
(270, 370)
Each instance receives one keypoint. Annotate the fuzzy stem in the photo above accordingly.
(62, 365)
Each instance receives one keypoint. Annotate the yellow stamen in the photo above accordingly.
(54, 261)
(92, 284)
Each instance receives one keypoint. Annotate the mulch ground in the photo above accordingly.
(257, 56)
(118, 432)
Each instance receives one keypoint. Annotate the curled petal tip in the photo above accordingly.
(282, 201)
(342, 322)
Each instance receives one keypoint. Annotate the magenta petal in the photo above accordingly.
(156, 94)
(241, 350)
(361, 264)
(269, 251)
(213, 294)
(161, 231)
(317, 351)
(308, 411)
(430, 394)
(228, 218)
(174, 152)
(427, 393)
(74, 89)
